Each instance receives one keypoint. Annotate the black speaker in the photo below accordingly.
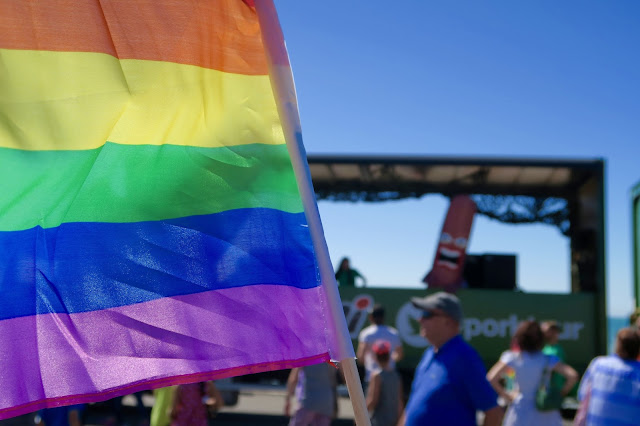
(473, 273)
(490, 270)
(499, 271)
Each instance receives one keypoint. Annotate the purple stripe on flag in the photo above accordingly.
(59, 359)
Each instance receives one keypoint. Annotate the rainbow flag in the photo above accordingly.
(151, 227)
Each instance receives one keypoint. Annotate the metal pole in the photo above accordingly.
(284, 93)
(635, 228)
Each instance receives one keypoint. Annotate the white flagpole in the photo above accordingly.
(285, 95)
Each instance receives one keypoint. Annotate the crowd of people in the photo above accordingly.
(450, 385)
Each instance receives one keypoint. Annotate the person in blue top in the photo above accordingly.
(611, 384)
(449, 386)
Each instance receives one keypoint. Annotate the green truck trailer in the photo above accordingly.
(490, 318)
(565, 193)
(501, 187)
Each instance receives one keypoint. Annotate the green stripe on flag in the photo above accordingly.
(132, 183)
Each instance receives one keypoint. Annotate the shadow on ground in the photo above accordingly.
(98, 416)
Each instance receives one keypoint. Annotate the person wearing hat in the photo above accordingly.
(384, 396)
(450, 383)
(377, 331)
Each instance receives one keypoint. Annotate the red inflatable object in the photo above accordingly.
(448, 263)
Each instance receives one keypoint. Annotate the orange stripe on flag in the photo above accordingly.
(185, 32)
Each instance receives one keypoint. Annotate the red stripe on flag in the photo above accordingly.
(222, 35)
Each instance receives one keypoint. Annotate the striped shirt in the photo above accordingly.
(614, 391)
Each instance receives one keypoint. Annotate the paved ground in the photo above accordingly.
(262, 408)
(253, 408)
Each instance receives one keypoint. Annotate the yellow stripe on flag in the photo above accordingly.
(80, 100)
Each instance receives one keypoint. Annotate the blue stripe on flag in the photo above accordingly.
(80, 267)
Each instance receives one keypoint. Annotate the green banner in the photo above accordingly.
(490, 319)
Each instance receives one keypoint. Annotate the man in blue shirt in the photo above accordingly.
(450, 383)
(611, 384)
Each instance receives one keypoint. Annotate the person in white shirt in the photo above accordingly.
(377, 331)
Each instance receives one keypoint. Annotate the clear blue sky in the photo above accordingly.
(542, 78)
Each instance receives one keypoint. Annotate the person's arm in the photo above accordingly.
(493, 416)
(355, 274)
(569, 374)
(364, 280)
(480, 390)
(291, 386)
(401, 420)
(373, 394)
(585, 384)
(215, 397)
(494, 375)
(362, 349)
(398, 353)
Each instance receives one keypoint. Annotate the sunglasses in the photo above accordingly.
(429, 314)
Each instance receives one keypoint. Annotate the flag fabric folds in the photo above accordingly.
(151, 228)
